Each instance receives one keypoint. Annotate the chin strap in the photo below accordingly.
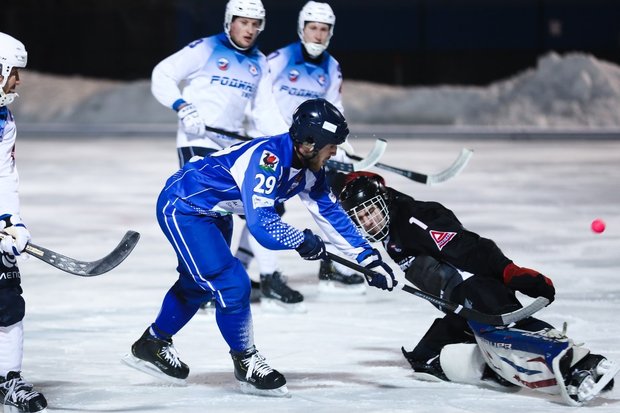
(7, 98)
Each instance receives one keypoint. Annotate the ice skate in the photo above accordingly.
(158, 358)
(585, 379)
(255, 292)
(19, 396)
(277, 296)
(425, 370)
(256, 377)
(332, 281)
(591, 375)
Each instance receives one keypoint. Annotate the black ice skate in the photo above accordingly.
(158, 358)
(255, 376)
(589, 376)
(278, 296)
(427, 370)
(19, 395)
(255, 292)
(586, 378)
(332, 281)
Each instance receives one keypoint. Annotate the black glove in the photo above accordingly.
(312, 248)
(529, 282)
(384, 278)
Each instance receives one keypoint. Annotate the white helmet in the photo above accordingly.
(12, 54)
(252, 9)
(314, 11)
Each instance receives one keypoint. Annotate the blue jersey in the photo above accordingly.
(296, 79)
(250, 178)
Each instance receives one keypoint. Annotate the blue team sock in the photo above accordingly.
(236, 328)
(173, 315)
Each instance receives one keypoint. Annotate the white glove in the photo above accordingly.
(17, 235)
(193, 125)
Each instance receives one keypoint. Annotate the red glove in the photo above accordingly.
(529, 282)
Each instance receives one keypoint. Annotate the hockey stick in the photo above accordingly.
(429, 179)
(86, 268)
(362, 163)
(449, 306)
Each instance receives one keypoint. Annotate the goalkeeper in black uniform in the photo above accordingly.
(433, 248)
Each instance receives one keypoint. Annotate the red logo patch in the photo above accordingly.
(442, 238)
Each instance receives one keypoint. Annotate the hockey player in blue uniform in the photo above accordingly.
(305, 70)
(195, 210)
(223, 78)
(429, 243)
(15, 392)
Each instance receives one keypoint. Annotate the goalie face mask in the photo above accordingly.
(364, 200)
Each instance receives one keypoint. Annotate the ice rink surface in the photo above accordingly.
(536, 199)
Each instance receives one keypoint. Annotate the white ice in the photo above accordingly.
(79, 196)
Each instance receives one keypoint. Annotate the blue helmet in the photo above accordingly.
(318, 122)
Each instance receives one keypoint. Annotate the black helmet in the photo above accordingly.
(365, 199)
(319, 122)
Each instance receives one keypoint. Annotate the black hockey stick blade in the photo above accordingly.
(449, 306)
(87, 268)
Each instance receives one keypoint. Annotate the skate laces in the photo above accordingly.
(257, 363)
(169, 353)
(20, 390)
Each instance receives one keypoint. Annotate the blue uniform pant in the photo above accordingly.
(206, 269)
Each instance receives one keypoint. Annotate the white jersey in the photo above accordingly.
(9, 180)
(296, 79)
(220, 81)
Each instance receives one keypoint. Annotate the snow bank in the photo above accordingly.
(571, 90)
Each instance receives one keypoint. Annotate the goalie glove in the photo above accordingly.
(193, 125)
(384, 277)
(529, 282)
(15, 236)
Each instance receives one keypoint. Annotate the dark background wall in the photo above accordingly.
(421, 42)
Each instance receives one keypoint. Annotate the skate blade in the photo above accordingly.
(336, 288)
(141, 365)
(426, 377)
(247, 388)
(270, 305)
(7, 408)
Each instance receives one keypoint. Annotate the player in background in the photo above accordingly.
(300, 71)
(14, 390)
(437, 253)
(195, 210)
(221, 76)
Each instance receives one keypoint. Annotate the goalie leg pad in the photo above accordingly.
(462, 363)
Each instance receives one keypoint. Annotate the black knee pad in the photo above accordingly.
(12, 306)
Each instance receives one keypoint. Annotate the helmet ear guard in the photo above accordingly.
(365, 199)
(12, 54)
(314, 11)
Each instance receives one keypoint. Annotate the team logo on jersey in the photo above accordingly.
(223, 63)
(253, 70)
(268, 161)
(442, 238)
(293, 75)
(321, 79)
(8, 261)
